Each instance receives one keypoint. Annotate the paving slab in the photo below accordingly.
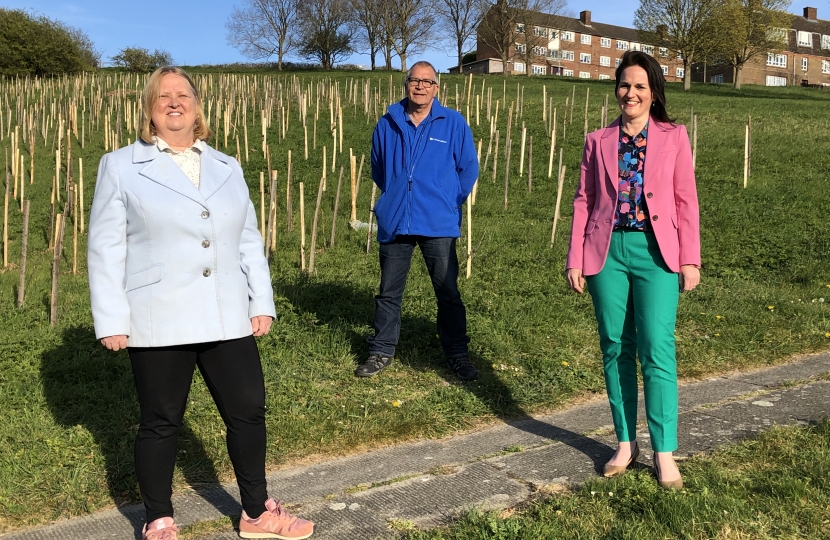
(429, 482)
(804, 368)
(800, 404)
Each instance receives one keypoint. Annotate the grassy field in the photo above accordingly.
(771, 487)
(69, 411)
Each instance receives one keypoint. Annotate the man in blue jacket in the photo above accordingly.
(425, 163)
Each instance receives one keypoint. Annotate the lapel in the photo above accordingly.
(214, 173)
(654, 145)
(161, 169)
(609, 148)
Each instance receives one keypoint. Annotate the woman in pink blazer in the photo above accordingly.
(635, 241)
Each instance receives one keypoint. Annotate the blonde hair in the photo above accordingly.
(151, 94)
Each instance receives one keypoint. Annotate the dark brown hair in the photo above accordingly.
(656, 81)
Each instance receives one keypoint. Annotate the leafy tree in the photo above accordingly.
(37, 45)
(140, 60)
(263, 28)
(325, 30)
(749, 28)
(684, 26)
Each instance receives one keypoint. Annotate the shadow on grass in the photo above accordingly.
(86, 385)
(339, 303)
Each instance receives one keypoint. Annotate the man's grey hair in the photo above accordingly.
(422, 63)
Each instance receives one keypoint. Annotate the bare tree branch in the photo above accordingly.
(263, 28)
(366, 15)
(459, 19)
(408, 25)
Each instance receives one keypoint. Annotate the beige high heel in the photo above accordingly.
(667, 484)
(613, 470)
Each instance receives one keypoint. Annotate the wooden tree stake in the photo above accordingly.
(24, 242)
(558, 202)
(314, 228)
(336, 204)
(302, 228)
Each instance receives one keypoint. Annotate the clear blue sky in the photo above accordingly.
(194, 32)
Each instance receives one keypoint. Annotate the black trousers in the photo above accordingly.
(233, 374)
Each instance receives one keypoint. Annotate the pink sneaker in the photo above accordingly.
(160, 529)
(276, 522)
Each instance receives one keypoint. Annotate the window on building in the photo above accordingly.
(566, 55)
(825, 41)
(553, 54)
(665, 69)
(585, 39)
(648, 49)
(680, 72)
(663, 51)
(776, 81)
(605, 42)
(540, 32)
(584, 75)
(521, 48)
(717, 79)
(540, 51)
(604, 77)
(825, 66)
(518, 66)
(567, 35)
(805, 39)
(804, 64)
(568, 72)
(584, 58)
(617, 62)
(538, 70)
(605, 61)
(679, 55)
(622, 45)
(520, 29)
(635, 46)
(776, 60)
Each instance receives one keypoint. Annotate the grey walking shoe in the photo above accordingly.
(374, 365)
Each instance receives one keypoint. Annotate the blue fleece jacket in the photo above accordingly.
(424, 182)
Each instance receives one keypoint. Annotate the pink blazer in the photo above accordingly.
(668, 185)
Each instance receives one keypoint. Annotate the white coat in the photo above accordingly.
(170, 263)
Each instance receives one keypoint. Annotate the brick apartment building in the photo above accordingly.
(571, 47)
(805, 60)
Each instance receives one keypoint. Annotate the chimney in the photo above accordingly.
(585, 17)
(811, 13)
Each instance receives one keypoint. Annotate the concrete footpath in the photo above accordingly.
(428, 482)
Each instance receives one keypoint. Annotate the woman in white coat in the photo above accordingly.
(178, 277)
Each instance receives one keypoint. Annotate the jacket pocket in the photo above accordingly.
(144, 277)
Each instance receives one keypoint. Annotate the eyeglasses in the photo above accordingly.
(427, 83)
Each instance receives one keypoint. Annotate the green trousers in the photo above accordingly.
(635, 298)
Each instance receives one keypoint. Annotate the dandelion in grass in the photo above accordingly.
(565, 364)
(396, 403)
(719, 317)
(771, 308)
(717, 335)
(827, 334)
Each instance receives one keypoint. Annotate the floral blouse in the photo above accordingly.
(632, 212)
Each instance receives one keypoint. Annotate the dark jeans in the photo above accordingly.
(233, 374)
(442, 264)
